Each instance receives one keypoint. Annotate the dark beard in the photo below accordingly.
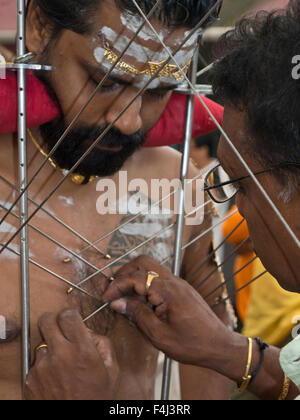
(76, 143)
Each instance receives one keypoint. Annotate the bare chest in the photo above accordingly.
(72, 246)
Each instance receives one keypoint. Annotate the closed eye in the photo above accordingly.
(108, 87)
(161, 92)
(156, 93)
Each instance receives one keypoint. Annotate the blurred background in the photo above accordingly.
(233, 9)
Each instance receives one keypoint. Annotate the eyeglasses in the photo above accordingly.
(222, 189)
(217, 12)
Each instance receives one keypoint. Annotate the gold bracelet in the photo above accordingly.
(286, 389)
(247, 378)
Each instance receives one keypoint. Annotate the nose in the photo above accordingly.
(130, 121)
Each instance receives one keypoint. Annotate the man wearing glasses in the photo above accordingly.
(262, 119)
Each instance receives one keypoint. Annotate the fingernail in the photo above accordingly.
(119, 306)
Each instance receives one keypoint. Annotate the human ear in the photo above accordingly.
(38, 29)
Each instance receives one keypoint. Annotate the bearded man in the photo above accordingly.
(80, 39)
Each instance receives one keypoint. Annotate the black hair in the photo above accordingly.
(256, 75)
(206, 140)
(75, 15)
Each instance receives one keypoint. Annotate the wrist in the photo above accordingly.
(229, 357)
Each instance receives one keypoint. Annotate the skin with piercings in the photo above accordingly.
(76, 205)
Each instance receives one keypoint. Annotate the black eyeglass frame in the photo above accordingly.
(232, 181)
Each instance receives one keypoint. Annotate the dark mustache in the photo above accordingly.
(113, 138)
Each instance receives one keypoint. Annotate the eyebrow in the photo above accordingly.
(126, 83)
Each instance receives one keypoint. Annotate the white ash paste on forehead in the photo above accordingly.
(133, 23)
(139, 80)
(140, 53)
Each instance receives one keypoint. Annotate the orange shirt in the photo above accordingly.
(246, 275)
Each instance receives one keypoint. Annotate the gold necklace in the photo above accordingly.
(75, 178)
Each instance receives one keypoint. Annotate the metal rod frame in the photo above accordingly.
(22, 147)
(167, 370)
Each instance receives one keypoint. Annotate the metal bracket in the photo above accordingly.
(184, 89)
(23, 66)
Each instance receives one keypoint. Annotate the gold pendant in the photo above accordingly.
(80, 179)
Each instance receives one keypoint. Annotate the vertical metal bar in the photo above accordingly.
(181, 212)
(23, 208)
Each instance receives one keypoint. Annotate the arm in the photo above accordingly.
(198, 383)
(182, 325)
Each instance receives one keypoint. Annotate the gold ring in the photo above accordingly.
(40, 347)
(150, 277)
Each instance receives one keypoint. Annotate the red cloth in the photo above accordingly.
(168, 131)
(40, 107)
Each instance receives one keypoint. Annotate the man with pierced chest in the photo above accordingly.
(82, 39)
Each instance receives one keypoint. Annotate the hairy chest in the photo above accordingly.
(74, 253)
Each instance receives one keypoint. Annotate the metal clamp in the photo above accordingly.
(23, 66)
(184, 89)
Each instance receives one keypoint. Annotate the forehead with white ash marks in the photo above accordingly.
(145, 48)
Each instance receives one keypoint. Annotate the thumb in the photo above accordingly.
(141, 314)
(108, 355)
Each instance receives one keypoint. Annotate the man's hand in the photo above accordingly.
(76, 365)
(180, 323)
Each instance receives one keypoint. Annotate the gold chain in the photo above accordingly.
(75, 178)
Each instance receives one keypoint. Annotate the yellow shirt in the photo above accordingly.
(272, 312)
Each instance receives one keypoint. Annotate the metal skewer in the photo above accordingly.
(181, 214)
(23, 210)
